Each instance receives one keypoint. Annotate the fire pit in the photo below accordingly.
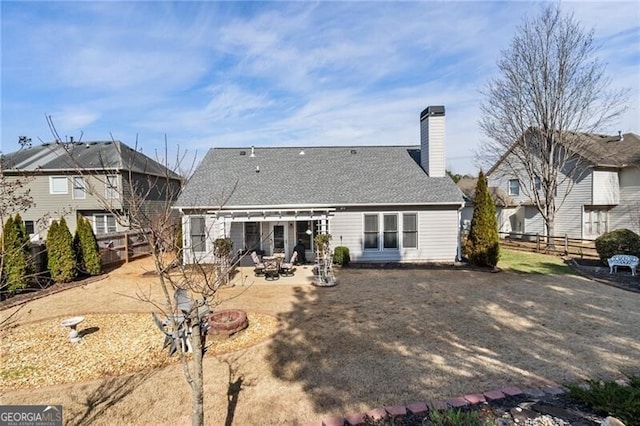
(228, 322)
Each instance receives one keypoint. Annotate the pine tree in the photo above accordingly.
(86, 247)
(483, 246)
(61, 257)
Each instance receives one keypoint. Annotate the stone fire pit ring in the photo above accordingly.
(227, 322)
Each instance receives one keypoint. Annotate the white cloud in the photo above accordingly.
(224, 74)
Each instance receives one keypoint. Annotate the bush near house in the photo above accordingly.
(482, 246)
(620, 241)
(16, 252)
(61, 257)
(341, 255)
(86, 248)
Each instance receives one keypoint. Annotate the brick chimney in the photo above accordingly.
(432, 141)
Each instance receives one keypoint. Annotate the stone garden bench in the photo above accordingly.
(622, 260)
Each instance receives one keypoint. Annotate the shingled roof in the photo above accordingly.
(605, 150)
(92, 155)
(499, 196)
(322, 176)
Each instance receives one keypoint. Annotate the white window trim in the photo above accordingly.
(206, 243)
(509, 187)
(111, 193)
(399, 231)
(84, 188)
(370, 249)
(417, 231)
(52, 192)
(106, 227)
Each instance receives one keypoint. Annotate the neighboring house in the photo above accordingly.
(605, 193)
(506, 206)
(111, 170)
(385, 203)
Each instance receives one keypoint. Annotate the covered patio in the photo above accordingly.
(244, 276)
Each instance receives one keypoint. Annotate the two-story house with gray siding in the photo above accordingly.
(385, 203)
(82, 178)
(604, 194)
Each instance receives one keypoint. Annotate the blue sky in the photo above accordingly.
(208, 74)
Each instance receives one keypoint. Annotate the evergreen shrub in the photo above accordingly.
(620, 241)
(60, 254)
(16, 252)
(341, 255)
(86, 248)
(482, 246)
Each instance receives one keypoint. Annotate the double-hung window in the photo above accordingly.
(58, 185)
(514, 187)
(371, 232)
(198, 235)
(410, 230)
(111, 187)
(390, 231)
(30, 227)
(79, 188)
(537, 184)
(104, 223)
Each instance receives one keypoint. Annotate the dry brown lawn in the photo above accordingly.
(381, 337)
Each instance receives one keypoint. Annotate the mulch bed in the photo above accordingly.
(596, 270)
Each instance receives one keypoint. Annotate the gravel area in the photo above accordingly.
(40, 354)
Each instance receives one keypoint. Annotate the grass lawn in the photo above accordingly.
(532, 263)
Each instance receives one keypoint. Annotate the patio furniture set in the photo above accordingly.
(272, 267)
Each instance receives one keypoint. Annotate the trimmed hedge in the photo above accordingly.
(86, 248)
(61, 258)
(620, 241)
(16, 252)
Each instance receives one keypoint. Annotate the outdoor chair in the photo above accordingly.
(286, 268)
(258, 266)
(271, 269)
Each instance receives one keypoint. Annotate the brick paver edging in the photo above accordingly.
(422, 407)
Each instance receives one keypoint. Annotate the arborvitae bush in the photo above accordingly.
(341, 255)
(86, 247)
(483, 245)
(17, 265)
(620, 241)
(61, 257)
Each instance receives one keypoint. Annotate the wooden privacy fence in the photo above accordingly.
(559, 245)
(122, 247)
(115, 248)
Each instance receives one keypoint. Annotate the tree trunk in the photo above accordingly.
(197, 388)
(551, 227)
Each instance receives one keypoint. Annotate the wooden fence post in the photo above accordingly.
(126, 247)
(537, 242)
(566, 244)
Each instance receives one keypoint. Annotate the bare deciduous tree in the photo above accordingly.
(145, 206)
(551, 89)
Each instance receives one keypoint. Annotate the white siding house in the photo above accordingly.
(385, 203)
(602, 196)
